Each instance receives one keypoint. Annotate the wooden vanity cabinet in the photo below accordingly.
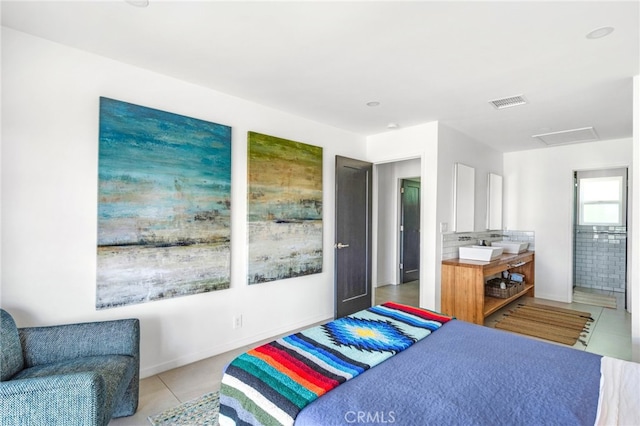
(463, 281)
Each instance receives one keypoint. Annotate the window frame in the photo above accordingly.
(619, 175)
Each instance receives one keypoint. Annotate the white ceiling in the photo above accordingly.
(423, 61)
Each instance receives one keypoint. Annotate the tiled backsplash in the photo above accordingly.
(600, 257)
(451, 241)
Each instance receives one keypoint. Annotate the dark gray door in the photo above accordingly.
(410, 230)
(353, 236)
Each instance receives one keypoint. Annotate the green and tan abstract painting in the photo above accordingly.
(284, 208)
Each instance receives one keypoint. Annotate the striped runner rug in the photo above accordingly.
(558, 325)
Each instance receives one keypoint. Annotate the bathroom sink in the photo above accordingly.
(479, 253)
(512, 247)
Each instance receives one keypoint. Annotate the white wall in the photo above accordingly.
(455, 147)
(634, 228)
(388, 177)
(49, 203)
(539, 197)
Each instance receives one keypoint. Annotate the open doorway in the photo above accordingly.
(600, 236)
(397, 261)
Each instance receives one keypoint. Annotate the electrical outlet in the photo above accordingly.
(237, 321)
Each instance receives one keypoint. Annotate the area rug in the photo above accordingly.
(201, 411)
(594, 299)
(559, 325)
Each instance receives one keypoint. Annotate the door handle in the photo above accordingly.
(341, 246)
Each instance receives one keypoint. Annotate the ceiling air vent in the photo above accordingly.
(585, 134)
(508, 102)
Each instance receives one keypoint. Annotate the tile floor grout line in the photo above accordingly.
(169, 389)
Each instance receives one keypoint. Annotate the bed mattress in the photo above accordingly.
(472, 375)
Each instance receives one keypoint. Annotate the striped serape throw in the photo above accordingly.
(270, 384)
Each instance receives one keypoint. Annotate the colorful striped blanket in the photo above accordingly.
(271, 384)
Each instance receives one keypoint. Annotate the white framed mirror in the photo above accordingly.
(494, 201)
(463, 198)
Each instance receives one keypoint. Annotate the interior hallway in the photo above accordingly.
(407, 293)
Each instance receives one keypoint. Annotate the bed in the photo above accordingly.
(456, 373)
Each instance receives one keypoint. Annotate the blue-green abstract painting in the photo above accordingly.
(163, 205)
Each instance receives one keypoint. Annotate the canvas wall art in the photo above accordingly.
(163, 205)
(284, 208)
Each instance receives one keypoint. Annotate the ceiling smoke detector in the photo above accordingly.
(509, 102)
(138, 3)
(599, 33)
(585, 134)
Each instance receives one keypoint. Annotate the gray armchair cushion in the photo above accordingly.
(75, 374)
(11, 360)
(113, 374)
(64, 400)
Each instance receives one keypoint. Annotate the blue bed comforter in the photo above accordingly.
(468, 375)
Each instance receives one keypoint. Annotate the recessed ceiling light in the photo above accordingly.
(373, 103)
(599, 32)
(138, 3)
(393, 126)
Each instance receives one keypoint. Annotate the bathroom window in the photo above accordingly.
(602, 200)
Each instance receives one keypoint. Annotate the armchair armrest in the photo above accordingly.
(45, 345)
(76, 398)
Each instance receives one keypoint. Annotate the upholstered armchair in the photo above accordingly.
(76, 374)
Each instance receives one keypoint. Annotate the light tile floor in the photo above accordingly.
(407, 293)
(610, 334)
